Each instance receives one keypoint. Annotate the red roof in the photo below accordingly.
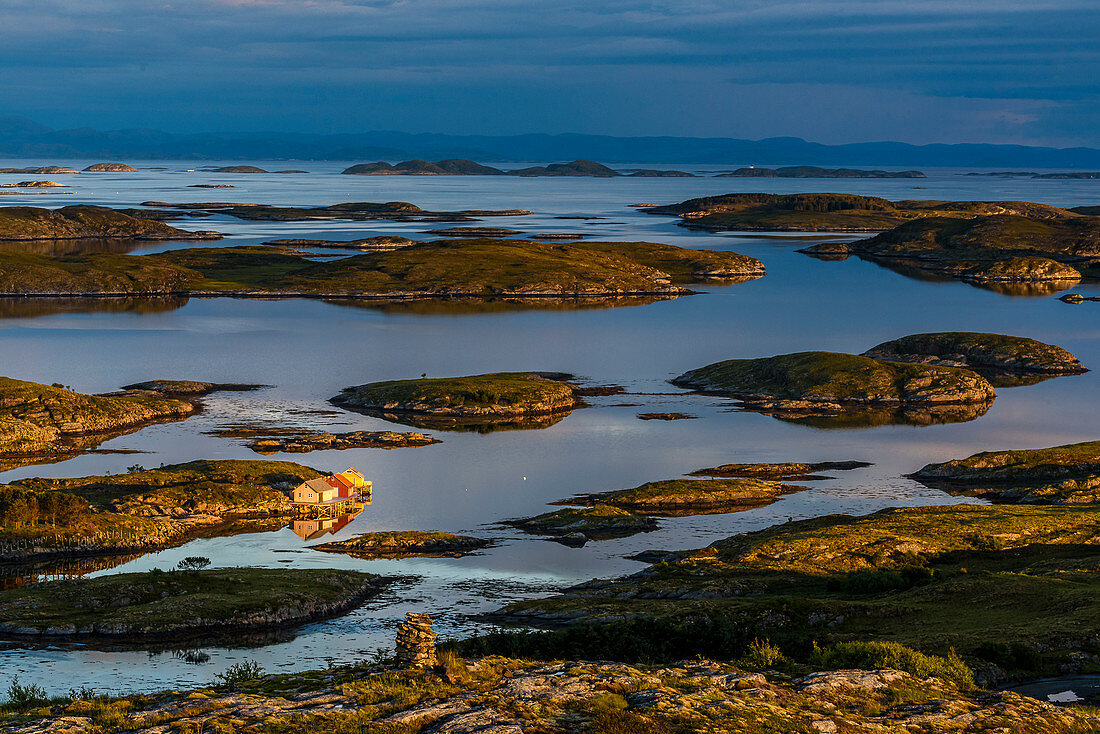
(340, 483)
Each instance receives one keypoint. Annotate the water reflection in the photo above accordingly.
(29, 307)
(462, 306)
(15, 575)
(473, 424)
(924, 415)
(63, 248)
(312, 528)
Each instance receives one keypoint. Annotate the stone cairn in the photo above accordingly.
(416, 642)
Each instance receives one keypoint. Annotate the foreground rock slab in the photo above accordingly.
(507, 696)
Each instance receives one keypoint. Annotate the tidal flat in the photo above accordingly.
(309, 351)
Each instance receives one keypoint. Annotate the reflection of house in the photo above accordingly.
(314, 527)
(347, 486)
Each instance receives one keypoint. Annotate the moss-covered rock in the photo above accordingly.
(979, 351)
(43, 420)
(833, 382)
(406, 544)
(168, 606)
(684, 497)
(80, 222)
(1067, 474)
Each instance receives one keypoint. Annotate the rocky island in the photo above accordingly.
(577, 526)
(110, 168)
(396, 211)
(448, 167)
(815, 172)
(381, 243)
(144, 509)
(456, 402)
(798, 470)
(685, 497)
(406, 544)
(836, 212)
(1067, 474)
(301, 442)
(170, 606)
(830, 382)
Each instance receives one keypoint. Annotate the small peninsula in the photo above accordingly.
(20, 223)
(145, 509)
(1067, 474)
(176, 605)
(50, 420)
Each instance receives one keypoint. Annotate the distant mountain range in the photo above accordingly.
(23, 138)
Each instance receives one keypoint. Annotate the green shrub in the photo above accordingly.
(22, 697)
(874, 655)
(240, 673)
(763, 655)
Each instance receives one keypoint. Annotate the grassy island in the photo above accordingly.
(481, 268)
(44, 420)
(143, 509)
(1067, 474)
(828, 382)
(180, 604)
(501, 397)
(406, 544)
(86, 222)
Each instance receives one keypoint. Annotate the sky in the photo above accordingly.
(833, 71)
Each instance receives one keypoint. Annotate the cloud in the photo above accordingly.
(1036, 60)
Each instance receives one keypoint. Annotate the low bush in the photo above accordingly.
(875, 655)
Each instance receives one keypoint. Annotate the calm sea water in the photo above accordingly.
(308, 350)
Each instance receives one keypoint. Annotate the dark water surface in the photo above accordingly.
(309, 350)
